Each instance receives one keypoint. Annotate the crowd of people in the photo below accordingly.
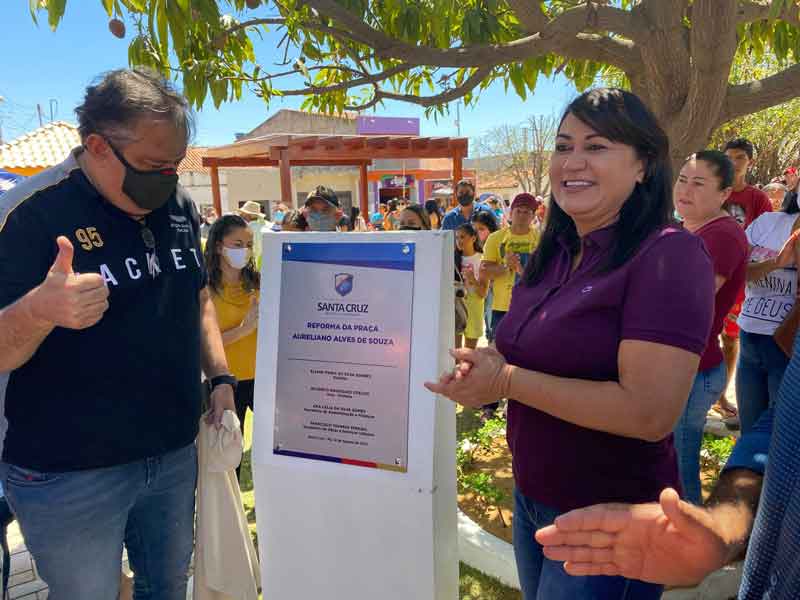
(615, 314)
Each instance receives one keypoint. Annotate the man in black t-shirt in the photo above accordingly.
(106, 325)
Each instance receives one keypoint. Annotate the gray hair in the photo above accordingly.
(116, 102)
(774, 186)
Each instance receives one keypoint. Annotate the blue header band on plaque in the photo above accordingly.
(397, 256)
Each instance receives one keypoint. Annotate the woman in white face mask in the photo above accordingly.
(234, 284)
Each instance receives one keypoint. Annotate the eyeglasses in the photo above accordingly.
(147, 234)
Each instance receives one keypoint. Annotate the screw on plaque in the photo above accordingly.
(406, 249)
(288, 247)
(398, 462)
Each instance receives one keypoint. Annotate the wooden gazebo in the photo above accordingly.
(289, 150)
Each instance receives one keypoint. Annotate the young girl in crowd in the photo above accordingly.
(468, 262)
(703, 187)
(234, 284)
(486, 224)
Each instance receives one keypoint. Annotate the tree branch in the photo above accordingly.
(614, 51)
(754, 10)
(557, 37)
(530, 16)
(598, 17)
(455, 93)
(757, 95)
(255, 23)
(346, 85)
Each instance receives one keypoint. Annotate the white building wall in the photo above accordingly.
(198, 186)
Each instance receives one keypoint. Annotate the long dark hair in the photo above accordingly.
(621, 117)
(485, 218)
(251, 280)
(790, 203)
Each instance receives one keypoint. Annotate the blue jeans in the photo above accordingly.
(708, 385)
(75, 523)
(487, 315)
(544, 579)
(759, 373)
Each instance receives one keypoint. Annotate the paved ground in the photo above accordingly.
(24, 582)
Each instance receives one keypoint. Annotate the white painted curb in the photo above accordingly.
(488, 554)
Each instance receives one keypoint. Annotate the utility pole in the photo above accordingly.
(458, 118)
(53, 113)
(39, 111)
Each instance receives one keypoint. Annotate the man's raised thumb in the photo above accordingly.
(63, 262)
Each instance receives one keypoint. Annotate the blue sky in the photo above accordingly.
(37, 65)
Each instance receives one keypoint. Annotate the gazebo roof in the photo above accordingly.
(335, 149)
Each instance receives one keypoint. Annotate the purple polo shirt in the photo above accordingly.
(571, 325)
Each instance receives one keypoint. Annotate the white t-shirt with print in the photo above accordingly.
(769, 300)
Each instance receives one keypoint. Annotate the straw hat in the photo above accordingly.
(251, 208)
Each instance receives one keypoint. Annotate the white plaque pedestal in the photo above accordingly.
(333, 531)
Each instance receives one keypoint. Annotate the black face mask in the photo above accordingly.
(150, 190)
(465, 199)
(410, 228)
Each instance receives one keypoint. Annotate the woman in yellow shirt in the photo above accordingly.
(234, 283)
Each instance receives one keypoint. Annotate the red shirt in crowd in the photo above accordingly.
(727, 244)
(570, 324)
(749, 204)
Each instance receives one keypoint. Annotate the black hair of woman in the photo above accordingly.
(720, 164)
(432, 207)
(621, 117)
(251, 280)
(486, 218)
(421, 213)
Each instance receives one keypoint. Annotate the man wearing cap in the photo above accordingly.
(465, 194)
(505, 255)
(322, 209)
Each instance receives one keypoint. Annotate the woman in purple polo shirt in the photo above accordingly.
(602, 341)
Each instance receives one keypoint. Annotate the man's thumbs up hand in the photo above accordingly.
(66, 299)
(63, 263)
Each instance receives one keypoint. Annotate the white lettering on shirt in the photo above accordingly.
(107, 275)
(152, 264)
(176, 257)
(194, 252)
(130, 264)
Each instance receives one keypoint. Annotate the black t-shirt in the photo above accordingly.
(129, 387)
